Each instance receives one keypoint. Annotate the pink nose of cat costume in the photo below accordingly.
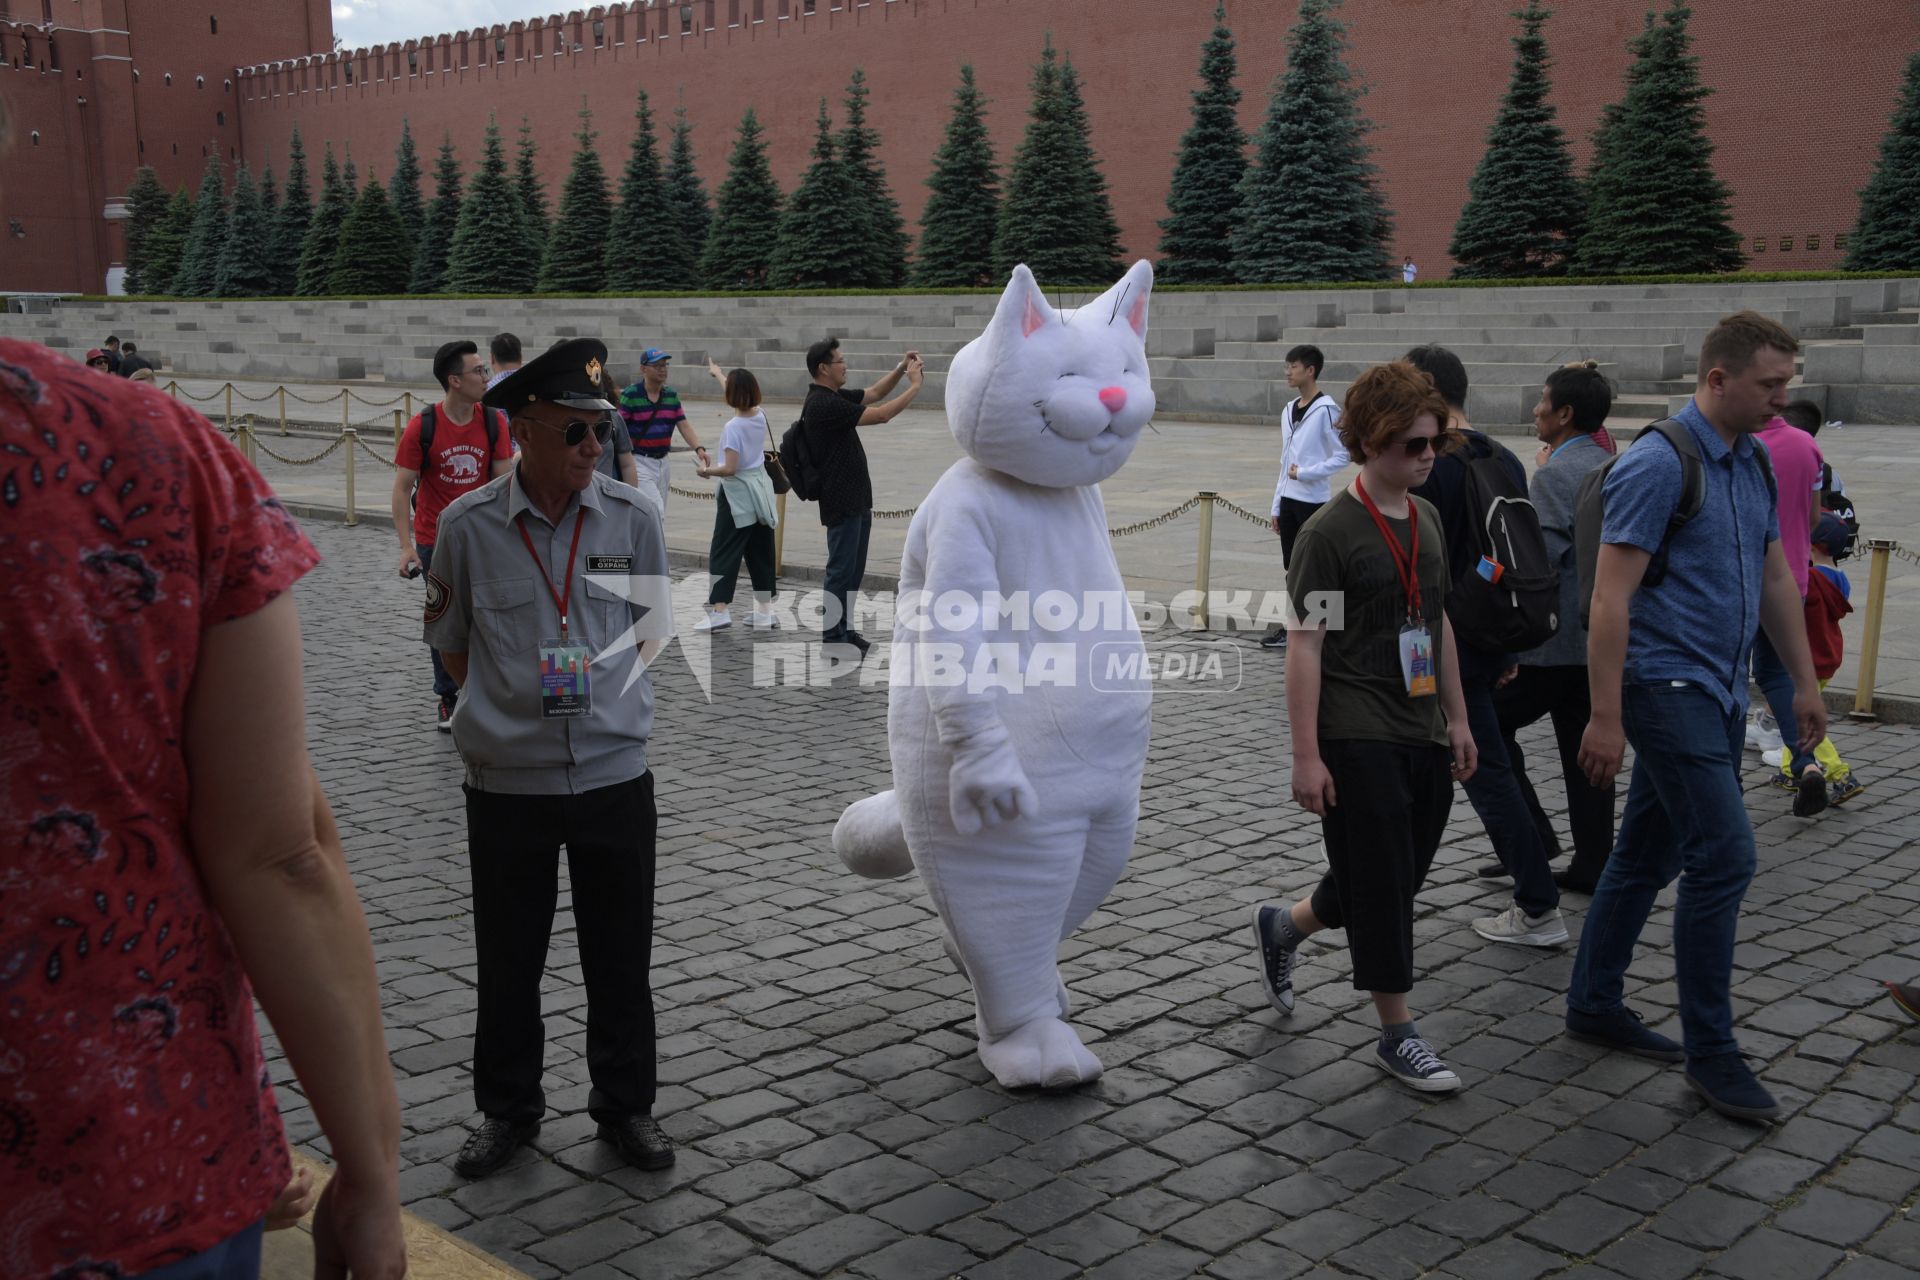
(1115, 398)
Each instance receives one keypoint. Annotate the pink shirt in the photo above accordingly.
(1796, 472)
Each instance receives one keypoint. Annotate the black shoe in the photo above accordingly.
(492, 1145)
(639, 1141)
(445, 724)
(1623, 1030)
(1730, 1088)
(859, 642)
(1275, 639)
(1566, 883)
(1810, 797)
(1495, 870)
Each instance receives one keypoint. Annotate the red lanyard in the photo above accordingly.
(1406, 563)
(560, 598)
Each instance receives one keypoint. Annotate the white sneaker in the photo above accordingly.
(1763, 734)
(1774, 757)
(714, 622)
(1516, 926)
(767, 619)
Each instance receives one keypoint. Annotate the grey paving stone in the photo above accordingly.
(1767, 1175)
(1259, 1260)
(1155, 1260)
(1297, 1195)
(1834, 1217)
(776, 1216)
(1579, 1225)
(1473, 1218)
(923, 1210)
(1708, 1219)
(1504, 1259)
(1641, 1190)
(1323, 1233)
(1768, 1254)
(1220, 1227)
(834, 1243)
(1645, 1256)
(571, 1250)
(1088, 1240)
(1046, 1206)
(1023, 1264)
(916, 1258)
(705, 1246)
(1398, 1253)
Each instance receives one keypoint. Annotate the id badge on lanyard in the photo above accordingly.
(1418, 668)
(566, 686)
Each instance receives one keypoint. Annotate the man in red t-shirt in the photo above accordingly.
(469, 447)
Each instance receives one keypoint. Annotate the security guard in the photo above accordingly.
(542, 582)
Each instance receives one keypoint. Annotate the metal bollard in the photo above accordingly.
(352, 440)
(1203, 568)
(283, 408)
(779, 532)
(229, 406)
(246, 441)
(344, 407)
(173, 388)
(409, 405)
(1880, 548)
(399, 426)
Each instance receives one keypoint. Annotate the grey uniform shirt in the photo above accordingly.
(1554, 491)
(486, 599)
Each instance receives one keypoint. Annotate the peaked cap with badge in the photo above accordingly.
(566, 374)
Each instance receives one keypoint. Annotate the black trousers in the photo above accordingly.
(1293, 514)
(731, 545)
(1391, 802)
(1560, 692)
(514, 850)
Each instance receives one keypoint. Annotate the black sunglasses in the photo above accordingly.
(576, 430)
(1417, 445)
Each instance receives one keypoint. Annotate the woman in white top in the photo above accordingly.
(744, 522)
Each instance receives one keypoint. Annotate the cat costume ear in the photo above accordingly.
(1125, 303)
(1023, 310)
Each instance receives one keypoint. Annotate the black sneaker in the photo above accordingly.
(1495, 870)
(1622, 1029)
(445, 723)
(1414, 1063)
(1811, 795)
(1730, 1088)
(1275, 958)
(1274, 639)
(492, 1145)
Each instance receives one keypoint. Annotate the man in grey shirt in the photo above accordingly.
(531, 601)
(1552, 679)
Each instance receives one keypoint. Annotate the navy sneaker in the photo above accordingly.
(1414, 1063)
(1731, 1089)
(1275, 958)
(1623, 1030)
(1274, 639)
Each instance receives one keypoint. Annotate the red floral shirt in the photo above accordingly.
(137, 1123)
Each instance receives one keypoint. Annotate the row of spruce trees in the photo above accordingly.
(1299, 201)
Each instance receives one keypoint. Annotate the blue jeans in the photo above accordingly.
(235, 1258)
(1777, 684)
(1685, 818)
(442, 682)
(1495, 790)
(846, 567)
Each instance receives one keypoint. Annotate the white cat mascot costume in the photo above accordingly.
(1018, 804)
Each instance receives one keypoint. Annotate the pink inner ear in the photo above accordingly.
(1137, 315)
(1032, 320)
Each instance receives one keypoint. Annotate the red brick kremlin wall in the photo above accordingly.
(1803, 92)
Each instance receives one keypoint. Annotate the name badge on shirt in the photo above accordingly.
(565, 684)
(1416, 661)
(609, 564)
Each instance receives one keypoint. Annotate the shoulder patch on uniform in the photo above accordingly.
(438, 598)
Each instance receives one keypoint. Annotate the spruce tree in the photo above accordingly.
(146, 207)
(200, 261)
(1310, 205)
(576, 260)
(740, 242)
(957, 224)
(1055, 216)
(1196, 240)
(429, 274)
(1887, 235)
(1654, 204)
(647, 249)
(165, 243)
(323, 229)
(686, 204)
(269, 206)
(491, 250)
(374, 254)
(1524, 206)
(819, 244)
(880, 255)
(533, 196)
(244, 268)
(290, 228)
(350, 176)
(403, 188)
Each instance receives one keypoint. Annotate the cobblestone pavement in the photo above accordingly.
(816, 1047)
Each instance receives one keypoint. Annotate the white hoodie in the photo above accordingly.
(1313, 445)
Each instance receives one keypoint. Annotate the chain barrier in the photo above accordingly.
(1265, 522)
(903, 514)
(1166, 517)
(299, 462)
(1901, 553)
(380, 458)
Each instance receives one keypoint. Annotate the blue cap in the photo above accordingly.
(1831, 533)
(654, 355)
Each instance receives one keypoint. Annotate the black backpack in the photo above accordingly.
(496, 418)
(1519, 607)
(1836, 503)
(796, 459)
(1590, 511)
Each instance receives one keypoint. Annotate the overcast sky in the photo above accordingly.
(368, 22)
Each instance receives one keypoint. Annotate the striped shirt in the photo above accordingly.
(651, 423)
